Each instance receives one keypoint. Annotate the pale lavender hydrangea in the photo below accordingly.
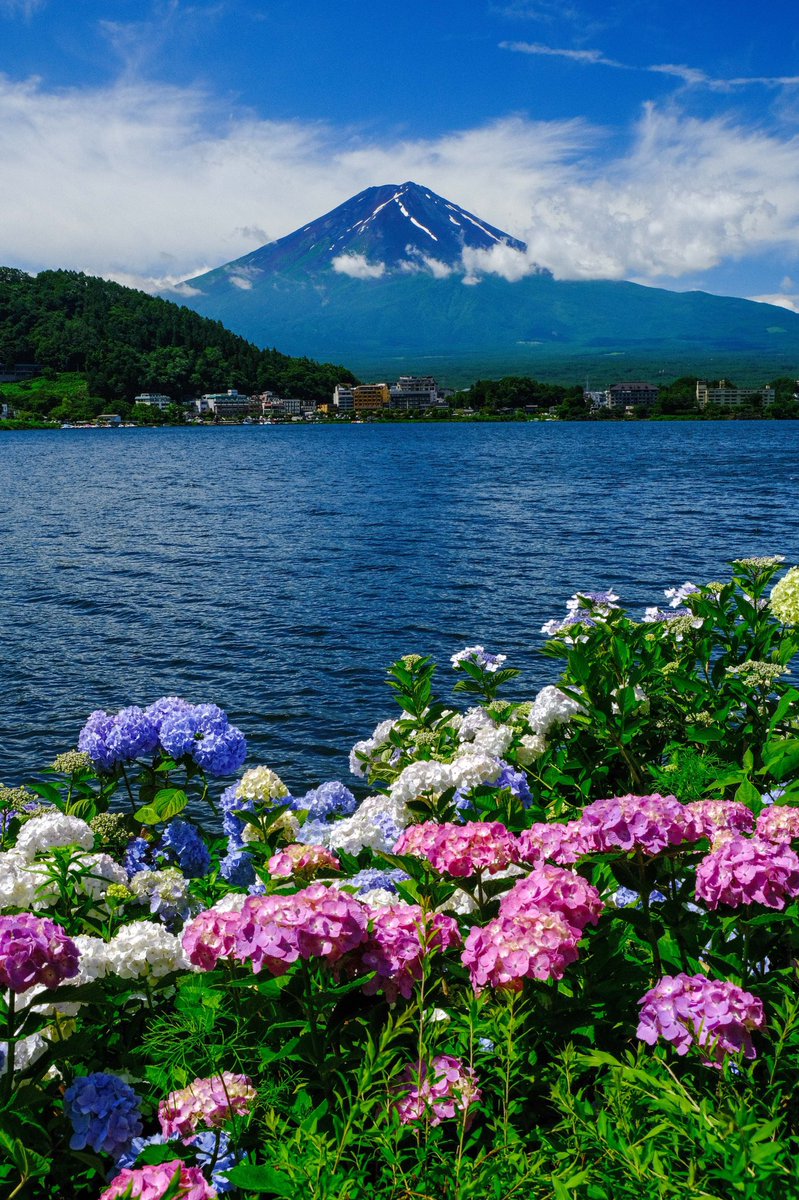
(690, 1009)
(479, 657)
(326, 801)
(114, 740)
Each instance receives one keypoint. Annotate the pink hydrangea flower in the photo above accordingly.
(211, 935)
(712, 817)
(648, 823)
(151, 1183)
(301, 860)
(779, 824)
(35, 950)
(438, 1092)
(716, 1015)
(563, 843)
(318, 922)
(400, 939)
(461, 850)
(748, 871)
(508, 950)
(553, 888)
(210, 1102)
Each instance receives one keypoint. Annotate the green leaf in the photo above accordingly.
(166, 804)
(262, 1179)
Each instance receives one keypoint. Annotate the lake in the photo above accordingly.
(278, 570)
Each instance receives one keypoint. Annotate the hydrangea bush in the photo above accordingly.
(544, 947)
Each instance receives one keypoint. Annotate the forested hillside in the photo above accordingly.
(124, 342)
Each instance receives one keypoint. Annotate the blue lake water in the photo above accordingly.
(278, 570)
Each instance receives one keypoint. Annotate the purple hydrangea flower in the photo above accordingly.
(104, 1113)
(203, 732)
(372, 878)
(35, 950)
(185, 846)
(93, 740)
(167, 706)
(138, 857)
(328, 800)
(110, 740)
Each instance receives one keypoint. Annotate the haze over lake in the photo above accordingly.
(278, 570)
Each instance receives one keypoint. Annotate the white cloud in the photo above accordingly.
(152, 185)
(22, 8)
(358, 267)
(781, 301)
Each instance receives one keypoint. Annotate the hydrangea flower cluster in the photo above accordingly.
(302, 861)
(328, 800)
(151, 1183)
(34, 950)
(558, 890)
(211, 1148)
(318, 922)
(51, 829)
(461, 850)
(165, 892)
(104, 1113)
(712, 817)
(376, 879)
(377, 824)
(401, 938)
(467, 770)
(647, 823)
(479, 656)
(686, 1009)
(562, 842)
(211, 935)
(112, 740)
(539, 944)
(748, 871)
(144, 949)
(183, 844)
(779, 824)
(552, 707)
(437, 1092)
(210, 1102)
(784, 598)
(364, 751)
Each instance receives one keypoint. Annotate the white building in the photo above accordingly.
(154, 399)
(343, 399)
(726, 396)
(224, 404)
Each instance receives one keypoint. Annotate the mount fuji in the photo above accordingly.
(400, 280)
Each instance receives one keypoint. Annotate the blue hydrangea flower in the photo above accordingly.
(221, 753)
(93, 740)
(103, 1111)
(167, 706)
(109, 740)
(236, 867)
(185, 846)
(313, 833)
(517, 782)
(203, 732)
(372, 878)
(139, 857)
(328, 800)
(258, 888)
(208, 1145)
(389, 828)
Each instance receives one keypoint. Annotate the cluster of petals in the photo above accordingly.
(558, 890)
(35, 950)
(300, 860)
(712, 817)
(401, 937)
(318, 922)
(716, 1015)
(539, 944)
(211, 935)
(210, 1102)
(647, 823)
(51, 829)
(153, 1182)
(461, 850)
(438, 1092)
(563, 843)
(552, 707)
(779, 824)
(748, 871)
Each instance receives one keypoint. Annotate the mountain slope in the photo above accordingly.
(381, 283)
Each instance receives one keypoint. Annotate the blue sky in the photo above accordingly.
(657, 142)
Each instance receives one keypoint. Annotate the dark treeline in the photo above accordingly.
(124, 341)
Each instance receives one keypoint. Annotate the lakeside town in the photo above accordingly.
(421, 396)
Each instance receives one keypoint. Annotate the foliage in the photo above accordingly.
(336, 1037)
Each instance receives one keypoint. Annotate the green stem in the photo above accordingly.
(8, 1079)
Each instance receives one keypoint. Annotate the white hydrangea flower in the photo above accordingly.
(473, 720)
(27, 1051)
(288, 825)
(18, 883)
(552, 707)
(94, 962)
(368, 746)
(420, 778)
(460, 903)
(143, 948)
(261, 784)
(53, 829)
(473, 768)
(494, 741)
(92, 874)
(676, 595)
(232, 902)
(531, 747)
(370, 825)
(380, 898)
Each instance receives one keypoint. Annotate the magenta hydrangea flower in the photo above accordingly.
(400, 939)
(211, 935)
(210, 1102)
(302, 861)
(563, 843)
(779, 824)
(461, 850)
(647, 823)
(508, 950)
(151, 1183)
(318, 922)
(690, 1009)
(34, 950)
(553, 888)
(438, 1092)
(748, 871)
(712, 817)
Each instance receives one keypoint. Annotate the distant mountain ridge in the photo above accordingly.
(380, 282)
